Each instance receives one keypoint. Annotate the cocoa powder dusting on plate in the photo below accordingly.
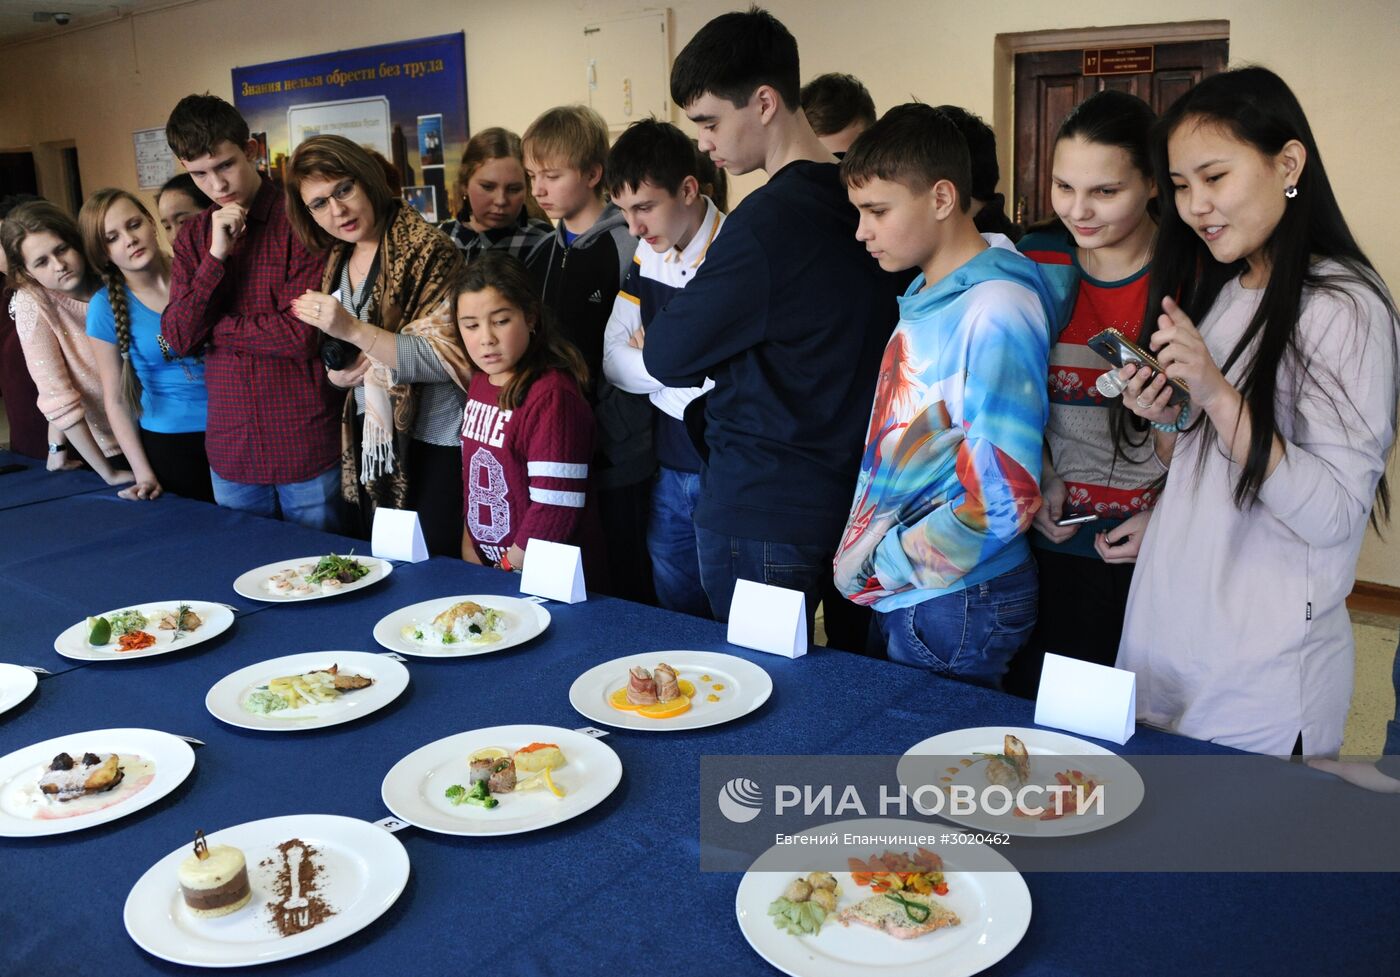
(309, 879)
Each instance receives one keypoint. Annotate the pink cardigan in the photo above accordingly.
(52, 330)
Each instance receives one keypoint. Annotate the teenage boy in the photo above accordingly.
(839, 108)
(274, 419)
(653, 178)
(950, 479)
(578, 273)
(787, 314)
(988, 208)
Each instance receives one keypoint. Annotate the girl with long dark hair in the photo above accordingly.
(1104, 195)
(527, 435)
(1274, 318)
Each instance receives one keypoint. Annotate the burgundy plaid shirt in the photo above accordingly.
(274, 418)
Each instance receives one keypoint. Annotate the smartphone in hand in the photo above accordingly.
(1119, 350)
(1076, 520)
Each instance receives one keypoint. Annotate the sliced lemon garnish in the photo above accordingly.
(489, 753)
(531, 782)
(554, 788)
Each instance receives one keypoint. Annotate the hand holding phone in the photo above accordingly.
(1119, 350)
(1076, 520)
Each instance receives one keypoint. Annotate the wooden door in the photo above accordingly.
(1050, 83)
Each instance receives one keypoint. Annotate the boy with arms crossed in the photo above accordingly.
(951, 474)
(653, 177)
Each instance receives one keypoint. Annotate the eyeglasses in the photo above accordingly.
(343, 191)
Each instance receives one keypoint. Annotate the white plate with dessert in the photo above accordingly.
(17, 683)
(143, 630)
(1060, 769)
(456, 627)
(311, 577)
(312, 690)
(670, 690)
(950, 919)
(266, 890)
(501, 780)
(81, 780)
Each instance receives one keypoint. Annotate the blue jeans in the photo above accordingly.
(796, 566)
(314, 503)
(969, 635)
(1392, 728)
(675, 560)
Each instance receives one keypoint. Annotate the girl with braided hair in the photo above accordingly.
(156, 401)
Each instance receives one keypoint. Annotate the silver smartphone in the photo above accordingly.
(1076, 520)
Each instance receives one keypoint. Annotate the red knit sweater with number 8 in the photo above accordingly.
(525, 471)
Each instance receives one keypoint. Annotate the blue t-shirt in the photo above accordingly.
(173, 396)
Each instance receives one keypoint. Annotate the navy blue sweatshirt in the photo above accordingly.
(790, 316)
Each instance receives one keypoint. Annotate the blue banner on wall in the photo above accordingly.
(380, 97)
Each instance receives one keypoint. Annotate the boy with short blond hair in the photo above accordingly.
(950, 479)
(578, 273)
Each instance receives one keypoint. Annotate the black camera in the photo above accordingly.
(337, 354)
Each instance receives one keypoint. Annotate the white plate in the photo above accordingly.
(1121, 782)
(994, 908)
(252, 584)
(216, 618)
(225, 699)
(19, 775)
(414, 788)
(16, 684)
(746, 687)
(364, 869)
(527, 620)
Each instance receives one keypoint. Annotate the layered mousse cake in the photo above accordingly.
(214, 881)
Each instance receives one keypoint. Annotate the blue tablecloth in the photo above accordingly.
(36, 484)
(607, 888)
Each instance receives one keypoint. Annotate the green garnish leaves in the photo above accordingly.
(916, 911)
(346, 569)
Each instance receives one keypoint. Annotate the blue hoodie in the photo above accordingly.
(950, 479)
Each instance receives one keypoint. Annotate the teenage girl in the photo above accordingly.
(1270, 313)
(156, 401)
(44, 253)
(527, 436)
(178, 201)
(494, 193)
(1103, 194)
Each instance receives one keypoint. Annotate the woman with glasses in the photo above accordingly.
(389, 335)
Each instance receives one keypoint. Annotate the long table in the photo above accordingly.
(613, 891)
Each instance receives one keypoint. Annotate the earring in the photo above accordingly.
(1290, 192)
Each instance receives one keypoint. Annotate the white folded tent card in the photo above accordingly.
(554, 571)
(767, 618)
(1082, 697)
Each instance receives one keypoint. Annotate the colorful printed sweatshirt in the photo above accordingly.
(950, 479)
